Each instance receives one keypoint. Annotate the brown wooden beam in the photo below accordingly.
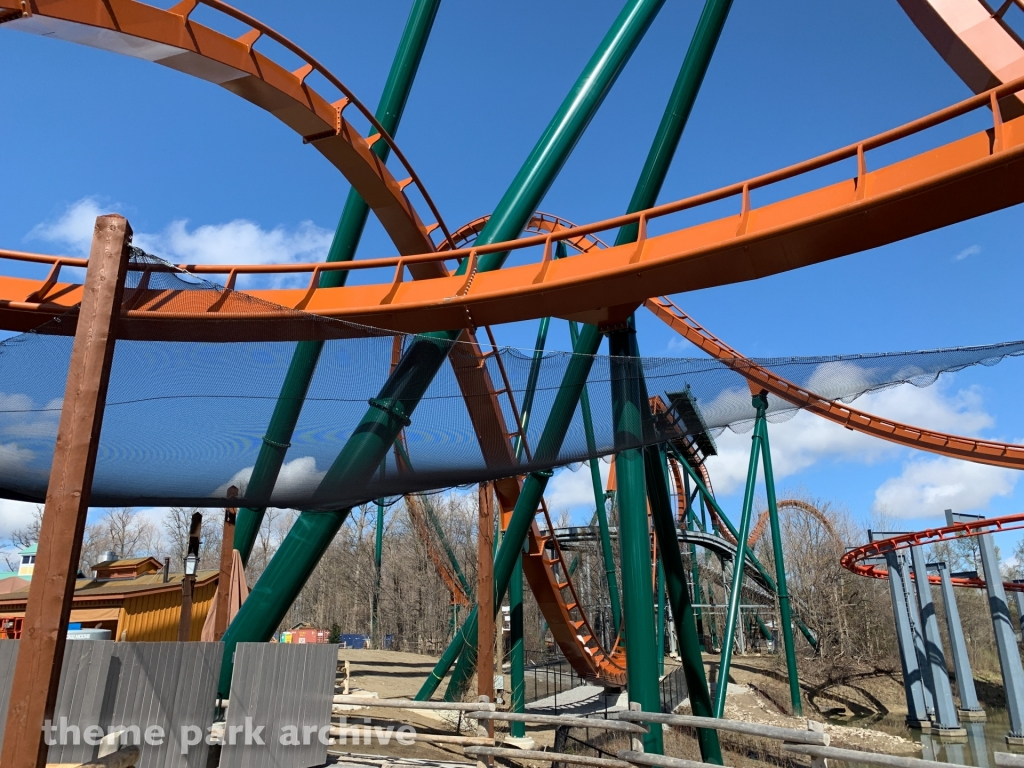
(41, 653)
(485, 596)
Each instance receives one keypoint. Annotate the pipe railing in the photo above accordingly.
(989, 98)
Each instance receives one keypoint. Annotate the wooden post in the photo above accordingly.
(485, 597)
(220, 621)
(41, 654)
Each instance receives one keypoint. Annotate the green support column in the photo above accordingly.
(780, 574)
(629, 414)
(660, 591)
(679, 596)
(550, 443)
(343, 248)
(694, 565)
(739, 563)
(607, 553)
(378, 552)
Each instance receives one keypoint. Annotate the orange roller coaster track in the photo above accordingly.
(981, 451)
(965, 178)
(173, 39)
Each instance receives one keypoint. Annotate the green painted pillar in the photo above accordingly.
(785, 618)
(738, 568)
(694, 564)
(550, 443)
(517, 654)
(607, 553)
(343, 248)
(378, 553)
(660, 592)
(629, 414)
(679, 596)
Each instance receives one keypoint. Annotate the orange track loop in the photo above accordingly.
(957, 181)
(853, 560)
(981, 451)
(172, 39)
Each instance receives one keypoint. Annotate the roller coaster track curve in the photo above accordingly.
(980, 451)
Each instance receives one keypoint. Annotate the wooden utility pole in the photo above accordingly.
(41, 653)
(485, 595)
(220, 620)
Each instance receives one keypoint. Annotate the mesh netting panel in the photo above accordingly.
(186, 419)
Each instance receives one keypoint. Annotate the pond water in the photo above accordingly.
(982, 739)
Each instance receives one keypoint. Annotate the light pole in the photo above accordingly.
(189, 579)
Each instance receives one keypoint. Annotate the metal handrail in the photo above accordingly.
(989, 98)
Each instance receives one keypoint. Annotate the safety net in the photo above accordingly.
(186, 414)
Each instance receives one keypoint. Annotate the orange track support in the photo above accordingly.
(981, 451)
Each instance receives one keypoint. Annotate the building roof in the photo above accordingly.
(87, 590)
(31, 549)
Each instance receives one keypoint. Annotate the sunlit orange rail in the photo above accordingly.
(959, 180)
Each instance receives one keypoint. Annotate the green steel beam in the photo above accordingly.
(684, 95)
(531, 380)
(630, 412)
(659, 590)
(343, 248)
(560, 137)
(760, 404)
(573, 381)
(607, 553)
(679, 597)
(691, 522)
(438, 529)
(378, 556)
(517, 654)
(785, 617)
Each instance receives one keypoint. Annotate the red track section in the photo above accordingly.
(854, 559)
(981, 451)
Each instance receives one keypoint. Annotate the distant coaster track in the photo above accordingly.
(855, 560)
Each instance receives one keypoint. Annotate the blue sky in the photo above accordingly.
(204, 175)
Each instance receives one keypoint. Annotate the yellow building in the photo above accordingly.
(137, 600)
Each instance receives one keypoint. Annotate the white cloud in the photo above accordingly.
(74, 227)
(972, 250)
(296, 476)
(926, 487)
(235, 242)
(14, 515)
(571, 488)
(806, 439)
